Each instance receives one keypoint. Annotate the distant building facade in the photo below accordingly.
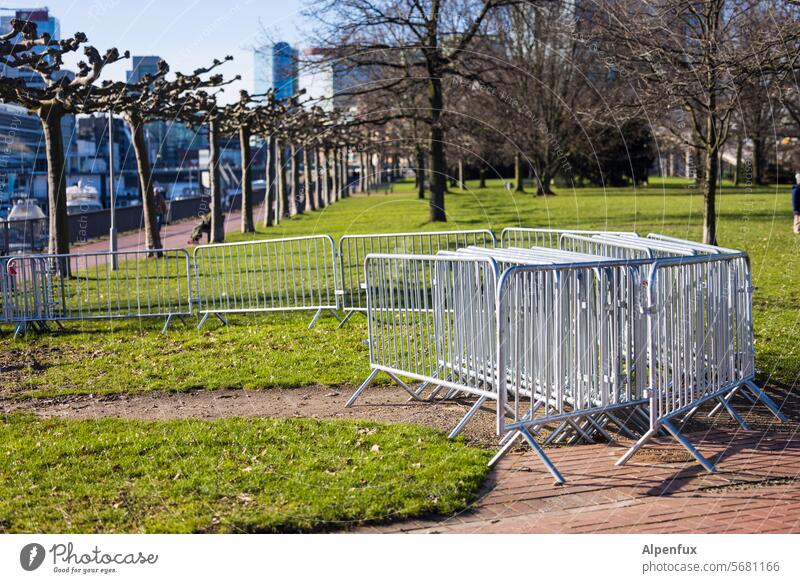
(141, 66)
(276, 67)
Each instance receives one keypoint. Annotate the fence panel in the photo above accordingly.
(700, 331)
(99, 285)
(353, 250)
(271, 275)
(527, 237)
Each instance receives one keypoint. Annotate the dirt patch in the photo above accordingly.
(385, 404)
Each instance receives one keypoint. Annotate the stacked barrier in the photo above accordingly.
(353, 250)
(523, 237)
(636, 337)
(268, 275)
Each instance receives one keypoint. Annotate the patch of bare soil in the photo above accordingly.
(385, 404)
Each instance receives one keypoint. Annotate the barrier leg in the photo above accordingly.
(465, 419)
(344, 320)
(542, 456)
(636, 446)
(166, 324)
(709, 467)
(769, 403)
(205, 317)
(723, 402)
(335, 314)
(405, 387)
(360, 389)
(620, 425)
(508, 441)
(315, 318)
(718, 406)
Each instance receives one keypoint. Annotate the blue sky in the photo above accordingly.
(187, 33)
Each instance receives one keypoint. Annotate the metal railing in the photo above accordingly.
(86, 286)
(431, 319)
(353, 250)
(534, 237)
(271, 275)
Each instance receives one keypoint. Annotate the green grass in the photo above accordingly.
(232, 475)
(276, 350)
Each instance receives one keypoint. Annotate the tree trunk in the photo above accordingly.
(246, 182)
(335, 175)
(711, 170)
(737, 173)
(438, 162)
(328, 186)
(345, 174)
(544, 188)
(420, 173)
(56, 183)
(217, 220)
(310, 199)
(482, 176)
(322, 182)
(271, 212)
(518, 178)
(294, 171)
(461, 184)
(283, 199)
(152, 236)
(758, 161)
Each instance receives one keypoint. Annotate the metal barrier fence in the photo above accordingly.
(353, 250)
(432, 319)
(527, 237)
(270, 275)
(579, 339)
(38, 289)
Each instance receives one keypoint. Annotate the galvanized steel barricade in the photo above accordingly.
(534, 237)
(432, 319)
(87, 286)
(271, 275)
(353, 249)
(567, 343)
(700, 338)
(24, 292)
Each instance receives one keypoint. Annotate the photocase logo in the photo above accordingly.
(31, 556)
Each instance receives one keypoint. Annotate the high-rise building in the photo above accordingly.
(276, 68)
(141, 66)
(44, 24)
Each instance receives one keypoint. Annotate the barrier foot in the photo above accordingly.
(769, 403)
(405, 387)
(723, 402)
(620, 425)
(344, 320)
(537, 449)
(205, 317)
(718, 406)
(508, 441)
(465, 419)
(335, 315)
(709, 467)
(315, 318)
(360, 389)
(636, 446)
(166, 324)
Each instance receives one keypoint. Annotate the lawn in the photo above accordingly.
(276, 350)
(231, 475)
(236, 475)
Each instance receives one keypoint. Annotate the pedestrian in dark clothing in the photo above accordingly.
(204, 226)
(796, 203)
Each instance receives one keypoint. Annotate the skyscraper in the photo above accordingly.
(141, 66)
(276, 68)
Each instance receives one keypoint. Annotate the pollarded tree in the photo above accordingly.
(155, 97)
(57, 95)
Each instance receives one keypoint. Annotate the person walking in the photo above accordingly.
(796, 203)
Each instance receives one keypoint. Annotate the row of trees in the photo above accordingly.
(571, 90)
(321, 139)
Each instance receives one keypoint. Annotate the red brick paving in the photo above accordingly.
(645, 496)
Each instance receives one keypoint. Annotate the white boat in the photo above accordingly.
(82, 198)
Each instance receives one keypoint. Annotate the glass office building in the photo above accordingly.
(276, 68)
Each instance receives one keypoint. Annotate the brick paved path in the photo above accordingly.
(172, 235)
(756, 489)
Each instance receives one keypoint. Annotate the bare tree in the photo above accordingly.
(691, 60)
(58, 95)
(377, 37)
